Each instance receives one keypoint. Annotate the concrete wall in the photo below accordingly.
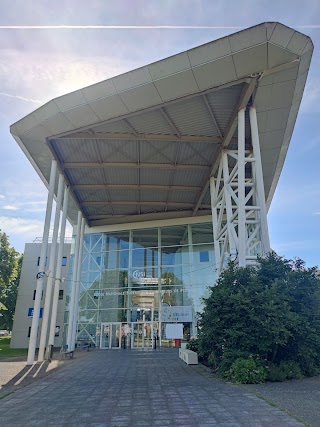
(26, 290)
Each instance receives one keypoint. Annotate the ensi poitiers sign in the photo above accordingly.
(176, 314)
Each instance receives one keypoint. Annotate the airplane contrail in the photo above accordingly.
(37, 101)
(134, 27)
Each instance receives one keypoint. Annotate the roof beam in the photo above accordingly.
(140, 136)
(170, 122)
(127, 219)
(89, 165)
(204, 97)
(128, 126)
(243, 101)
(135, 187)
(144, 203)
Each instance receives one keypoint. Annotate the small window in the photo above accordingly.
(39, 261)
(29, 331)
(204, 256)
(64, 261)
(34, 295)
(61, 294)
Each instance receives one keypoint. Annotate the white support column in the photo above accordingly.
(58, 277)
(73, 281)
(77, 288)
(159, 288)
(191, 282)
(51, 274)
(259, 181)
(129, 295)
(241, 189)
(42, 263)
(213, 197)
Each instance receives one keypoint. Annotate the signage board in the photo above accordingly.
(176, 314)
(30, 312)
(174, 331)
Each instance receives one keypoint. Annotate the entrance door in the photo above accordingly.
(142, 334)
(110, 336)
(105, 336)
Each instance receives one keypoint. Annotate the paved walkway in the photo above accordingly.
(136, 388)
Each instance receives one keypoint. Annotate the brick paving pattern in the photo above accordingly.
(136, 388)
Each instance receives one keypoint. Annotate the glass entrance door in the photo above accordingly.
(105, 336)
(115, 335)
(142, 334)
(110, 336)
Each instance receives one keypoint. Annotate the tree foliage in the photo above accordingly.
(10, 268)
(270, 313)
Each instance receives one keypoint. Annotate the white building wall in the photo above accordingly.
(26, 289)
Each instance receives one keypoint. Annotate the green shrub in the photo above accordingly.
(193, 345)
(292, 370)
(228, 358)
(212, 360)
(247, 371)
(270, 312)
(275, 373)
(284, 371)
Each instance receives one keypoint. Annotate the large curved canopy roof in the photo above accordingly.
(144, 144)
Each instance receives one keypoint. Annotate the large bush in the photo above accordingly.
(270, 313)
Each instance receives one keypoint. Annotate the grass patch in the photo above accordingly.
(6, 351)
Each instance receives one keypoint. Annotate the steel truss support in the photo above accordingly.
(238, 206)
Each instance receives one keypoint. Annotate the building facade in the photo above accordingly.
(27, 293)
(166, 172)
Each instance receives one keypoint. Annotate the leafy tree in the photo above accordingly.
(10, 269)
(270, 313)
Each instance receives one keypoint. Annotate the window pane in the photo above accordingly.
(145, 238)
(202, 233)
(177, 235)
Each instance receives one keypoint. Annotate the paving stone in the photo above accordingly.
(133, 388)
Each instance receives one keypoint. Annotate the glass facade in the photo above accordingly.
(131, 277)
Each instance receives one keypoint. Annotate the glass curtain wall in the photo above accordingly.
(141, 275)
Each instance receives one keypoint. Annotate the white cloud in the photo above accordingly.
(21, 225)
(10, 208)
(2, 197)
(55, 74)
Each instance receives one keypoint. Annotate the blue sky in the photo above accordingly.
(38, 65)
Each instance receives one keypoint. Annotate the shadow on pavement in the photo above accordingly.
(24, 377)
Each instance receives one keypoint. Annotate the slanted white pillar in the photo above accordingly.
(42, 263)
(58, 277)
(73, 281)
(265, 241)
(241, 190)
(77, 288)
(51, 274)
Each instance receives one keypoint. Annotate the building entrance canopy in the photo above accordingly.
(203, 132)
(144, 144)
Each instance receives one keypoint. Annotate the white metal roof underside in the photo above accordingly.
(144, 144)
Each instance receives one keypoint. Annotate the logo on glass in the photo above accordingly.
(138, 274)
